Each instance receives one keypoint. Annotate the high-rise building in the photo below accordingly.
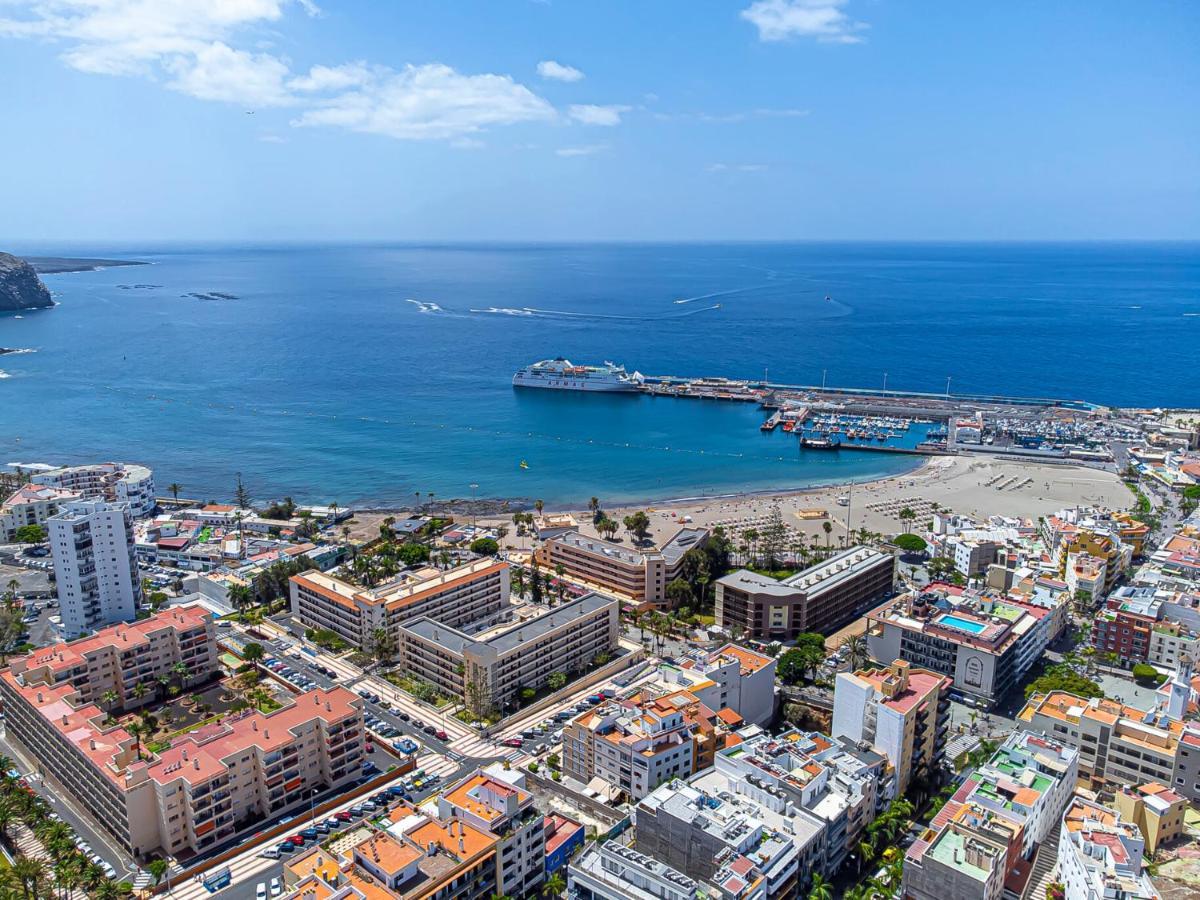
(95, 566)
(903, 712)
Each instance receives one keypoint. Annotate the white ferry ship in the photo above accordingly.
(560, 374)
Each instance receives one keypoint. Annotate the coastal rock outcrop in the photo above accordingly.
(20, 287)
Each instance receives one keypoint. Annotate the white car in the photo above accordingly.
(276, 887)
(260, 892)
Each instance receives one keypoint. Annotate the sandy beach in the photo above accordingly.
(978, 486)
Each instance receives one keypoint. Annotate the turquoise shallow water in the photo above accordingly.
(368, 373)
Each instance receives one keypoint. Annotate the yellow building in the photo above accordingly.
(1155, 809)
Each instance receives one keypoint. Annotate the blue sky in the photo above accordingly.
(131, 120)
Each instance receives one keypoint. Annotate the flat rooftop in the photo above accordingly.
(516, 636)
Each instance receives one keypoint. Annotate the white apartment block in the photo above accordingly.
(116, 482)
(610, 871)
(1100, 856)
(95, 564)
(505, 810)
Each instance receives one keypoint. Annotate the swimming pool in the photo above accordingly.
(964, 624)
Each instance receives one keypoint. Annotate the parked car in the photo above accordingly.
(260, 892)
(276, 886)
(344, 816)
(512, 742)
(271, 853)
(286, 847)
(441, 735)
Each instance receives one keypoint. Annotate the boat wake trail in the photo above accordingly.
(566, 315)
(425, 306)
(729, 293)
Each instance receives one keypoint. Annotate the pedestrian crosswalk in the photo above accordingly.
(436, 764)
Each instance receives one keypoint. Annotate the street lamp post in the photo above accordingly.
(312, 807)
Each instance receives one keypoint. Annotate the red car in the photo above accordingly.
(370, 747)
(343, 816)
(512, 742)
(297, 840)
(441, 735)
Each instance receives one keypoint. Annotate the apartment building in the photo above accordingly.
(1100, 855)
(822, 598)
(95, 567)
(964, 860)
(633, 745)
(983, 643)
(207, 785)
(115, 482)
(1110, 540)
(983, 840)
(178, 643)
(1117, 744)
(641, 576)
(730, 677)
(467, 593)
(713, 827)
(30, 504)
(902, 711)
(840, 784)
(489, 664)
(1155, 809)
(413, 854)
(505, 811)
(611, 871)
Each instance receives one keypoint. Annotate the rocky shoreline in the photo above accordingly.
(20, 286)
(58, 265)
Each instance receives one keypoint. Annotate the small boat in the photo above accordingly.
(524, 465)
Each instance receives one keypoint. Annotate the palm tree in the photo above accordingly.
(539, 506)
(175, 487)
(140, 690)
(554, 886)
(136, 730)
(109, 698)
(820, 889)
(827, 527)
(855, 646)
(31, 873)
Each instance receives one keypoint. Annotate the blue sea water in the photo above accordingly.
(366, 373)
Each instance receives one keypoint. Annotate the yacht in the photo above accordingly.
(561, 374)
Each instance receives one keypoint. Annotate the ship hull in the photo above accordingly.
(572, 384)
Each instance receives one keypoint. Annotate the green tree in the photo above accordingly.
(827, 527)
(855, 647)
(555, 886)
(157, 868)
(820, 889)
(382, 645)
(557, 681)
(637, 524)
(679, 593)
(774, 538)
(175, 487)
(485, 546)
(30, 534)
(910, 543)
(253, 653)
(240, 494)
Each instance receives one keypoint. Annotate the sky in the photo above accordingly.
(278, 120)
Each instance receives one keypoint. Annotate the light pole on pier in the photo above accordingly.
(885, 381)
(823, 371)
(948, 377)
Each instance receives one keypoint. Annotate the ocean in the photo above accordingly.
(366, 374)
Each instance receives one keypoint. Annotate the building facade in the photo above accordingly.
(95, 565)
(821, 598)
(115, 482)
(901, 711)
(489, 667)
(1099, 855)
(639, 575)
(30, 504)
(467, 593)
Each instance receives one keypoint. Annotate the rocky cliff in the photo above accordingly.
(20, 287)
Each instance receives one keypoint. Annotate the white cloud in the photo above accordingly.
(556, 71)
(780, 20)
(218, 72)
(590, 114)
(588, 150)
(429, 102)
(332, 78)
(271, 139)
(191, 46)
(467, 143)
